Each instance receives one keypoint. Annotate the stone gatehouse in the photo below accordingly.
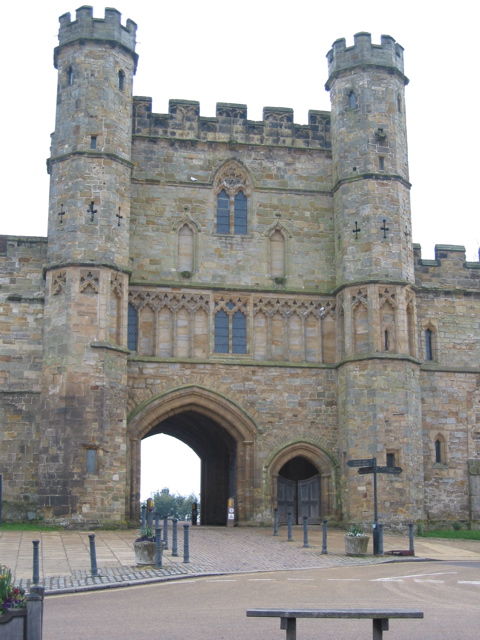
(249, 287)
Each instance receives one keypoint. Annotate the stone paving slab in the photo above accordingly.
(65, 558)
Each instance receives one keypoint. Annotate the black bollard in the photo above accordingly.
(324, 539)
(36, 562)
(410, 538)
(186, 548)
(290, 535)
(143, 511)
(174, 538)
(305, 532)
(158, 547)
(165, 532)
(93, 555)
(157, 519)
(380, 540)
(275, 522)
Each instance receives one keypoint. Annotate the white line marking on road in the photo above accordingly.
(301, 579)
(387, 580)
(416, 575)
(209, 580)
(344, 579)
(432, 581)
(468, 581)
(261, 580)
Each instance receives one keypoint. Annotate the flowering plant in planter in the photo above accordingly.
(10, 596)
(146, 535)
(355, 531)
(356, 541)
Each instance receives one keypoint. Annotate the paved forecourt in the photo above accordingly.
(65, 555)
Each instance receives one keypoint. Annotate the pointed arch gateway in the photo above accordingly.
(221, 433)
(303, 480)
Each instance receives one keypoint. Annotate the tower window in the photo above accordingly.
(240, 213)
(223, 213)
(352, 100)
(121, 80)
(439, 450)
(428, 344)
(69, 76)
(91, 461)
(381, 163)
(132, 328)
(230, 330)
(93, 142)
(387, 344)
(390, 460)
(399, 104)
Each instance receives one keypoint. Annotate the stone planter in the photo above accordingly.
(145, 552)
(356, 545)
(24, 624)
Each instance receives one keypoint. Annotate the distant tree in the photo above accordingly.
(174, 505)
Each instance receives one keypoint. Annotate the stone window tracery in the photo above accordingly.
(230, 326)
(231, 187)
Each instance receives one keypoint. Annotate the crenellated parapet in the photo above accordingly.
(449, 269)
(183, 121)
(86, 27)
(363, 53)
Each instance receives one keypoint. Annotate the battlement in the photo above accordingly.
(363, 53)
(450, 268)
(183, 121)
(86, 27)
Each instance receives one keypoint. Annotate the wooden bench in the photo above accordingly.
(379, 617)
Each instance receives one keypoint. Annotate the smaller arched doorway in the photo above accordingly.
(299, 491)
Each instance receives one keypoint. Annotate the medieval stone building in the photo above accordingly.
(250, 288)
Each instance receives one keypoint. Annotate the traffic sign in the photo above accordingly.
(391, 470)
(361, 462)
(364, 470)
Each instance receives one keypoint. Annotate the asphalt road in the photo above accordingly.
(214, 607)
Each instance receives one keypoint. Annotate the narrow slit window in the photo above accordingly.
(91, 461)
(69, 76)
(438, 451)
(121, 80)
(429, 344)
(387, 344)
(93, 142)
(390, 460)
(352, 100)
(381, 163)
(132, 330)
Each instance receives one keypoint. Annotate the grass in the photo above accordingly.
(452, 535)
(27, 526)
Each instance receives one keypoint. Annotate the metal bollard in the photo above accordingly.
(290, 535)
(174, 538)
(36, 562)
(158, 547)
(93, 555)
(186, 548)
(380, 540)
(324, 538)
(157, 519)
(410, 537)
(275, 522)
(305, 532)
(165, 532)
(150, 519)
(143, 512)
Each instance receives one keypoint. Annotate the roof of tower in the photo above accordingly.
(388, 54)
(86, 27)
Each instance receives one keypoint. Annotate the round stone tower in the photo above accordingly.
(82, 453)
(378, 376)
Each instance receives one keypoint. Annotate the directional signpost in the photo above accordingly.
(369, 465)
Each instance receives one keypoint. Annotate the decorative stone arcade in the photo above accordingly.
(221, 435)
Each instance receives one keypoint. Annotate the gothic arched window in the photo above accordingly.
(231, 188)
(230, 328)
(352, 100)
(428, 344)
(240, 213)
(223, 212)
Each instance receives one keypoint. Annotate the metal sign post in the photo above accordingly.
(366, 466)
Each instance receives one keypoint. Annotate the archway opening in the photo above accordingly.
(299, 491)
(217, 452)
(168, 462)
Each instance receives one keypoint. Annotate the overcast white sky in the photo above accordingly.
(261, 53)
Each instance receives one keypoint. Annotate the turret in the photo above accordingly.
(370, 164)
(81, 459)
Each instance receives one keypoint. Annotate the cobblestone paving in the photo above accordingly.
(212, 551)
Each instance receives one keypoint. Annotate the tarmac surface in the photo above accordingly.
(65, 555)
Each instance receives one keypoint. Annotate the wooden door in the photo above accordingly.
(286, 499)
(309, 503)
